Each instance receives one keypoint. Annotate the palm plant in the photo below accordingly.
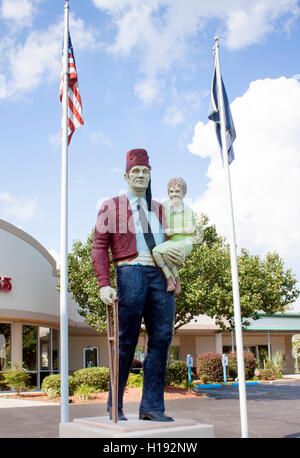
(276, 363)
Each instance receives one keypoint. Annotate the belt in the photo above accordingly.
(144, 260)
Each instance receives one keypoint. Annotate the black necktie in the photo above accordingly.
(149, 238)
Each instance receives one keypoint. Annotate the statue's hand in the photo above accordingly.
(176, 255)
(107, 295)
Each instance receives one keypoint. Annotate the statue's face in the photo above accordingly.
(175, 194)
(138, 178)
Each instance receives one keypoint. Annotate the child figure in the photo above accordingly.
(181, 226)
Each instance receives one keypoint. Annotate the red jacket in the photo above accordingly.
(115, 230)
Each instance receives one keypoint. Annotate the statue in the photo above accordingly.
(181, 226)
(131, 225)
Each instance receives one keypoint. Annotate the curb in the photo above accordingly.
(220, 385)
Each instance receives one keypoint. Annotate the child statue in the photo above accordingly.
(181, 226)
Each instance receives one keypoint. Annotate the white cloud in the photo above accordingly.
(184, 106)
(147, 89)
(55, 139)
(2, 87)
(160, 30)
(18, 11)
(99, 137)
(39, 58)
(21, 209)
(265, 175)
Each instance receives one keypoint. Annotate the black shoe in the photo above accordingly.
(155, 415)
(121, 416)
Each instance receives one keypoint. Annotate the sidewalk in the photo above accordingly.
(292, 376)
(6, 402)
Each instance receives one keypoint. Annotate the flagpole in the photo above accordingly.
(64, 363)
(233, 255)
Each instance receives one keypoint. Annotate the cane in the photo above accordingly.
(113, 354)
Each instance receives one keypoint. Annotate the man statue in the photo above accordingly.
(131, 225)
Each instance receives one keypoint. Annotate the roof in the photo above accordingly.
(14, 230)
(277, 322)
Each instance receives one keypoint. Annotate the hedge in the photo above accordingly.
(51, 385)
(135, 381)
(96, 377)
(249, 363)
(210, 364)
(176, 373)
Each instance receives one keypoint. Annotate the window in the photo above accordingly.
(173, 354)
(259, 351)
(40, 352)
(29, 342)
(55, 350)
(5, 345)
(90, 356)
(44, 337)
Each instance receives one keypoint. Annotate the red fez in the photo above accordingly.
(137, 157)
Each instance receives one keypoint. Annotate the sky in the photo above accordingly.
(145, 70)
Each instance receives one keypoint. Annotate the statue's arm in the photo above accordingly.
(100, 255)
(100, 246)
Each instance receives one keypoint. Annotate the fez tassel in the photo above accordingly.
(233, 255)
(64, 365)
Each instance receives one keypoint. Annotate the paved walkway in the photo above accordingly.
(7, 403)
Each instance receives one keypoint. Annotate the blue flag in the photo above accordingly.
(214, 115)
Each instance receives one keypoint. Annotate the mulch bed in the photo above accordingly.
(131, 395)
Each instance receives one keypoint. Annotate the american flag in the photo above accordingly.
(74, 100)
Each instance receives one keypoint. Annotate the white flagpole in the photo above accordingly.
(233, 255)
(64, 352)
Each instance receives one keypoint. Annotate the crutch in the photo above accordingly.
(113, 354)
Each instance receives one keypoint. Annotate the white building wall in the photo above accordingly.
(33, 274)
(205, 344)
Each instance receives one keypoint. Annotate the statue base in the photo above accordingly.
(134, 428)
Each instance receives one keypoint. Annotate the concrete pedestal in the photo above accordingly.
(134, 428)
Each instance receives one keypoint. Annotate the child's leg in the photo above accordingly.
(160, 261)
(175, 274)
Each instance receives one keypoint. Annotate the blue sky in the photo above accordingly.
(145, 70)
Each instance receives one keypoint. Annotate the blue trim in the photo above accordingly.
(211, 385)
(220, 385)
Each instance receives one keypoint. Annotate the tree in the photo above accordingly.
(84, 286)
(207, 286)
(265, 286)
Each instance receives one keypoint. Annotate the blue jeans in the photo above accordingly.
(142, 293)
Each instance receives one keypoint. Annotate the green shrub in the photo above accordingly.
(51, 385)
(176, 373)
(84, 392)
(249, 364)
(210, 364)
(276, 364)
(52, 393)
(96, 377)
(135, 381)
(266, 374)
(204, 379)
(17, 379)
(3, 384)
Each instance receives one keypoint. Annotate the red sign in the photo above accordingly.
(5, 284)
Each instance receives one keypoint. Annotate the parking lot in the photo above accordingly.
(273, 412)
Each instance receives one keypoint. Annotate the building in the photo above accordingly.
(29, 319)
